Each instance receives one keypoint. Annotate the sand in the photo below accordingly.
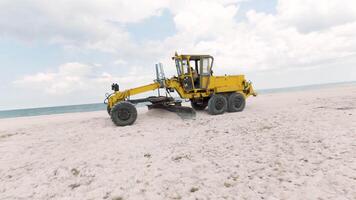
(296, 145)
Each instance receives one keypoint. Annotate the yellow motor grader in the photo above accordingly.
(194, 82)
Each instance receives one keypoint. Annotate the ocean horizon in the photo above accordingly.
(27, 112)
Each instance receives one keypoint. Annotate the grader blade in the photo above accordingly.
(172, 105)
(166, 103)
(173, 108)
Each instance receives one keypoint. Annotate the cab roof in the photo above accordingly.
(192, 57)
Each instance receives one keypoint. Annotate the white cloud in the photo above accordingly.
(204, 19)
(93, 24)
(69, 78)
(301, 32)
(302, 35)
(74, 77)
(120, 62)
(314, 15)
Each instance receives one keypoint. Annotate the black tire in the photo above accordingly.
(236, 102)
(123, 113)
(199, 105)
(217, 104)
(108, 109)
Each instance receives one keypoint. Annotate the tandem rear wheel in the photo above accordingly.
(123, 113)
(219, 103)
(236, 102)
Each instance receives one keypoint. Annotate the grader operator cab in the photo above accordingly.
(195, 71)
(194, 82)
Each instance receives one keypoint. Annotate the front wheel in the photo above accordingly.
(108, 109)
(123, 114)
(217, 104)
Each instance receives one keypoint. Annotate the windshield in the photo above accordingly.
(185, 66)
(179, 67)
(182, 66)
(206, 66)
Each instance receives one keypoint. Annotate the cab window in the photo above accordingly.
(179, 67)
(185, 66)
(206, 64)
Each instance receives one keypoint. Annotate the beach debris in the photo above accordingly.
(180, 157)
(338, 108)
(107, 195)
(194, 189)
(74, 171)
(345, 108)
(266, 128)
(74, 185)
(226, 184)
(117, 198)
(10, 134)
(175, 196)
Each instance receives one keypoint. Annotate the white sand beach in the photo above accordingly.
(293, 145)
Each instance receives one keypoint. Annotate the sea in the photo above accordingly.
(102, 107)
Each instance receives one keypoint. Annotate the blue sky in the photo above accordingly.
(69, 53)
(153, 28)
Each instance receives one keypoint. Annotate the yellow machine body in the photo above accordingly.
(121, 96)
(194, 81)
(218, 84)
(208, 86)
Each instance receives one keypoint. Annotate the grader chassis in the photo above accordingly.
(194, 81)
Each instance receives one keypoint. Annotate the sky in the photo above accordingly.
(69, 52)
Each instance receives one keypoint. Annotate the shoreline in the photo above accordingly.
(7, 114)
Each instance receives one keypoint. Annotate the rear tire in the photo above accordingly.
(236, 102)
(217, 104)
(199, 105)
(123, 113)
